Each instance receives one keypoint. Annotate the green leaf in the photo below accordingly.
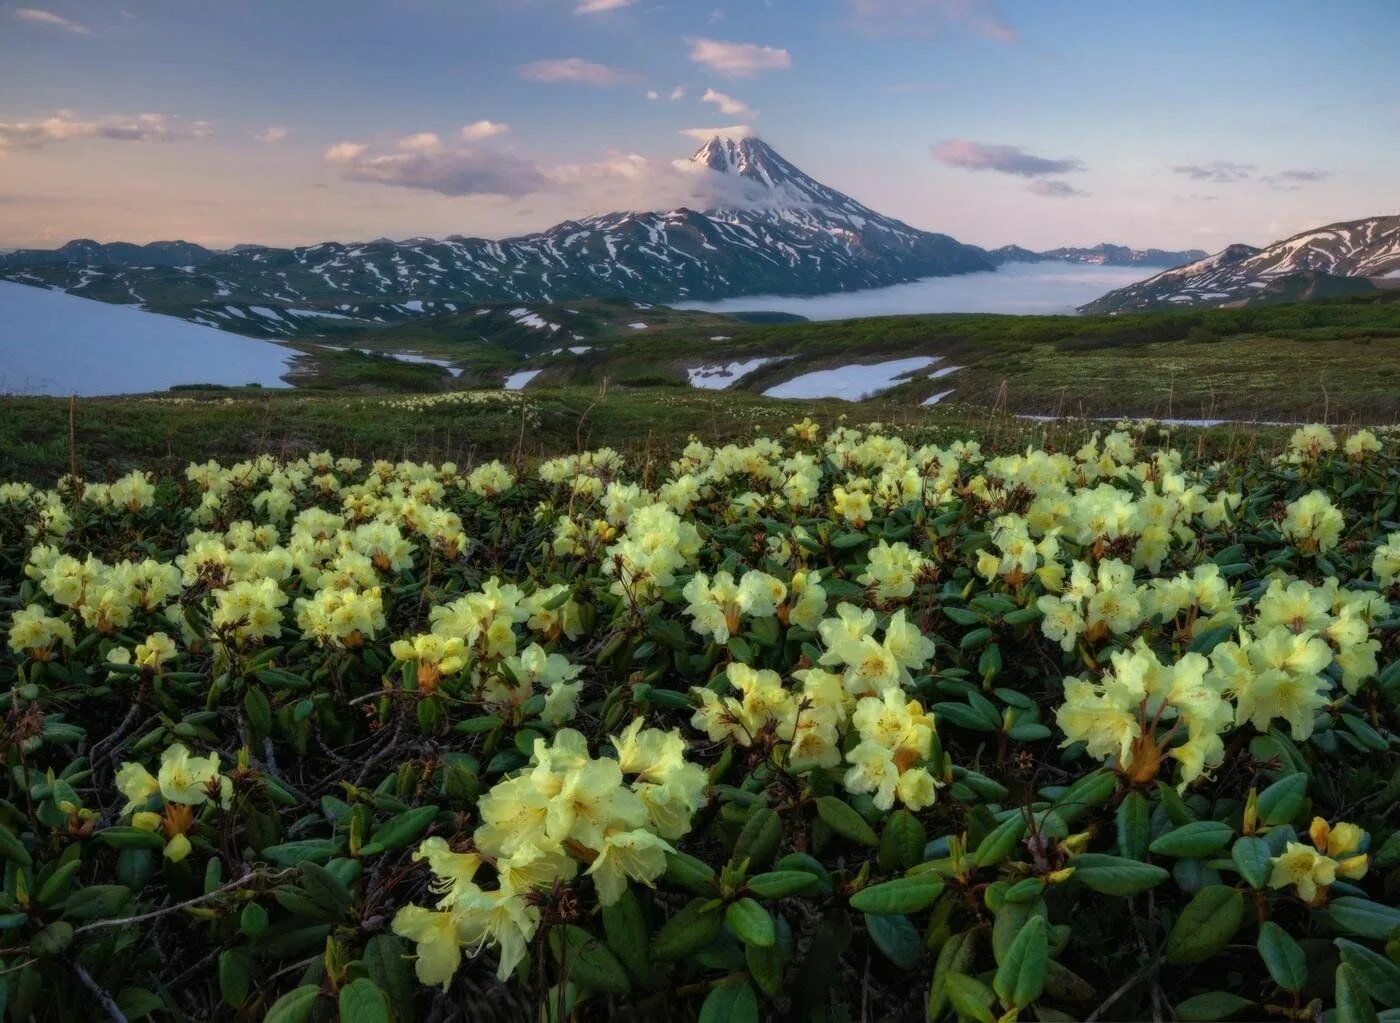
(399, 831)
(1364, 917)
(1134, 822)
(902, 895)
(1282, 801)
(696, 925)
(751, 923)
(733, 1001)
(295, 1006)
(843, 820)
(131, 838)
(387, 962)
(312, 850)
(1251, 856)
(1094, 789)
(12, 849)
(896, 937)
(758, 841)
(138, 1003)
(586, 961)
(971, 998)
(361, 1001)
(902, 841)
(765, 967)
(58, 882)
(688, 871)
(235, 976)
(96, 901)
(1211, 1006)
(1353, 1003)
(1021, 976)
(1194, 840)
(52, 940)
(1376, 973)
(954, 957)
(778, 884)
(625, 928)
(999, 842)
(1114, 875)
(1205, 925)
(1283, 957)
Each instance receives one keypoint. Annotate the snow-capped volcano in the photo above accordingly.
(766, 227)
(1358, 250)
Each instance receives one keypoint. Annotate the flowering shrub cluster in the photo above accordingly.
(829, 723)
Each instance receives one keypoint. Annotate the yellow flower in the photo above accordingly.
(137, 784)
(192, 780)
(1305, 868)
(438, 947)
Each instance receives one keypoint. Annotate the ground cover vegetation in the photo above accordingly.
(818, 722)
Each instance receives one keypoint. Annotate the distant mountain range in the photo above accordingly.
(1340, 259)
(1103, 254)
(768, 228)
(772, 229)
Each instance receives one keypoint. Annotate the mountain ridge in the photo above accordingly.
(770, 229)
(1366, 249)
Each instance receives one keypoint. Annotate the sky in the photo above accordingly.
(1189, 124)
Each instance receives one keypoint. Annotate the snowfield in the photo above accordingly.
(517, 381)
(718, 376)
(850, 383)
(54, 343)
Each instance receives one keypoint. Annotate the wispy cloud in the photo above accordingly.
(1220, 172)
(273, 134)
(575, 69)
(728, 104)
(986, 156)
(478, 130)
(422, 142)
(66, 126)
(734, 131)
(424, 163)
(738, 60)
(1053, 189)
(1293, 180)
(978, 16)
(599, 6)
(653, 94)
(42, 17)
(678, 93)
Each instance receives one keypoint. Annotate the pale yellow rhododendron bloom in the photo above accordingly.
(1310, 870)
(892, 571)
(896, 739)
(37, 634)
(435, 656)
(718, 606)
(1134, 712)
(538, 827)
(1313, 523)
(1360, 444)
(1385, 563)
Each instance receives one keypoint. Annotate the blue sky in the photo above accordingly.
(1041, 122)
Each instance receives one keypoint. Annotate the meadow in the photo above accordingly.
(510, 706)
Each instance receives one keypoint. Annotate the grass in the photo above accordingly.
(1338, 361)
(648, 425)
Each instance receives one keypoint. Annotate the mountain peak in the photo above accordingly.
(748, 157)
